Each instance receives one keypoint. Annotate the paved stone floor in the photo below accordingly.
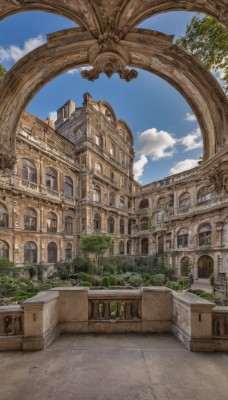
(114, 367)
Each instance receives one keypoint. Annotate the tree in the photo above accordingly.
(207, 39)
(3, 70)
(96, 244)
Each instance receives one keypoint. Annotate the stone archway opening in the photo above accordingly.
(205, 267)
(111, 47)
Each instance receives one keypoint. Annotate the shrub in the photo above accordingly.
(112, 280)
(82, 264)
(88, 284)
(105, 281)
(212, 280)
(135, 280)
(158, 280)
(173, 285)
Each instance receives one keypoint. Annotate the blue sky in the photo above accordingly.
(166, 134)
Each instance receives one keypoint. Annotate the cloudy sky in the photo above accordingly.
(166, 133)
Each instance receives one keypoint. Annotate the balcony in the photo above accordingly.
(199, 207)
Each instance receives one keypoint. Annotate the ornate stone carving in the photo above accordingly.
(108, 56)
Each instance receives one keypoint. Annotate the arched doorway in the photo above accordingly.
(205, 266)
(144, 246)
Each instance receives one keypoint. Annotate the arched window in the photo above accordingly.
(144, 203)
(52, 222)
(4, 249)
(144, 224)
(111, 225)
(129, 247)
(182, 238)
(30, 220)
(30, 253)
(204, 194)
(68, 186)
(68, 225)
(97, 194)
(97, 166)
(205, 235)
(28, 170)
(122, 202)
(184, 200)
(121, 247)
(68, 252)
(51, 179)
(97, 223)
(112, 199)
(122, 226)
(112, 150)
(52, 252)
(3, 217)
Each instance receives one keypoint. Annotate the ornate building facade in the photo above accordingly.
(76, 177)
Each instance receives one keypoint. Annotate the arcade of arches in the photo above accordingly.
(49, 198)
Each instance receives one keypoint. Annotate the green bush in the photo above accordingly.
(135, 280)
(158, 280)
(173, 285)
(113, 280)
(82, 264)
(212, 280)
(105, 281)
(88, 284)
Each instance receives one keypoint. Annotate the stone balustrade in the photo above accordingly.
(196, 322)
(11, 320)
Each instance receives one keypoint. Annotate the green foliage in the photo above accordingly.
(105, 281)
(87, 284)
(58, 282)
(135, 280)
(82, 264)
(212, 280)
(7, 267)
(158, 280)
(8, 283)
(207, 39)
(3, 70)
(93, 279)
(96, 244)
(113, 280)
(62, 270)
(173, 285)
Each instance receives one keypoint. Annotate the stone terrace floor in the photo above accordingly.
(114, 367)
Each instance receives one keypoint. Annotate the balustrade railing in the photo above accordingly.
(220, 322)
(116, 306)
(11, 322)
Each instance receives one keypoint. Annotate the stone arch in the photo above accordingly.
(92, 16)
(205, 266)
(148, 50)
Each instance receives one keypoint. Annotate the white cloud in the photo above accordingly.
(77, 70)
(53, 115)
(139, 166)
(183, 166)
(14, 53)
(156, 144)
(190, 117)
(192, 141)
